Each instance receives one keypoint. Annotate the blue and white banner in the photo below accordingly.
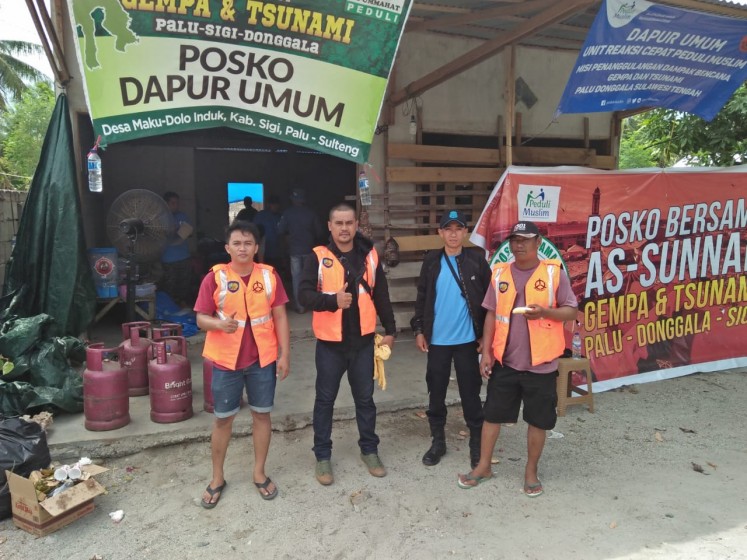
(640, 54)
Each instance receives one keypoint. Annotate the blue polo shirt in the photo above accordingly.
(452, 323)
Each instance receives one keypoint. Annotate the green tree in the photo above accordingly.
(672, 136)
(23, 128)
(634, 154)
(15, 75)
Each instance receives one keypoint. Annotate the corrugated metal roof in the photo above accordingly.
(489, 19)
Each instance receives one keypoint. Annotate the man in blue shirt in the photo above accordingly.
(448, 325)
(267, 222)
(177, 280)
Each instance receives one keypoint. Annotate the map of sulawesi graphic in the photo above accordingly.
(115, 20)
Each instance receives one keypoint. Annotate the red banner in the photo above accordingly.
(656, 258)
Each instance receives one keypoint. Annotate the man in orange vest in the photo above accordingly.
(527, 303)
(345, 286)
(241, 305)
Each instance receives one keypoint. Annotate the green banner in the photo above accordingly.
(306, 72)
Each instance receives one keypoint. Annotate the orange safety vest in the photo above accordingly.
(327, 325)
(253, 303)
(546, 338)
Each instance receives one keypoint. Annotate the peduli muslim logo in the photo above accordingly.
(538, 203)
(547, 250)
(621, 12)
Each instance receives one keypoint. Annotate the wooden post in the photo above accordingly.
(517, 130)
(586, 133)
(510, 109)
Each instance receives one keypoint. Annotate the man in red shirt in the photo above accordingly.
(241, 305)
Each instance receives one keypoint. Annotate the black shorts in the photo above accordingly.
(507, 388)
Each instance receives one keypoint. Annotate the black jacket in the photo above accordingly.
(313, 299)
(475, 273)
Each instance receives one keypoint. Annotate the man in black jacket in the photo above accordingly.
(345, 286)
(448, 325)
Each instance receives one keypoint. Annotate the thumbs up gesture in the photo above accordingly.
(344, 299)
(230, 325)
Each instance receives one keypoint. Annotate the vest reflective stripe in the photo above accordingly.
(223, 316)
(546, 337)
(496, 281)
(251, 304)
(327, 325)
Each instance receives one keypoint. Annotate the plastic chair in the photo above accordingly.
(566, 388)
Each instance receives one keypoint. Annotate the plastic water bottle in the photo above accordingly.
(363, 189)
(576, 345)
(94, 172)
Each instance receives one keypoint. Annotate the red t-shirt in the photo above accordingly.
(248, 353)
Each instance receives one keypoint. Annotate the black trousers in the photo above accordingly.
(331, 365)
(467, 367)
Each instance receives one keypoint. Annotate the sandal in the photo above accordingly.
(464, 479)
(213, 492)
(263, 486)
(529, 487)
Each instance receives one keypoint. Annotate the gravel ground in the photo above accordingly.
(621, 483)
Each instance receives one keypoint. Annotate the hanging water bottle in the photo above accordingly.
(94, 169)
(576, 345)
(363, 189)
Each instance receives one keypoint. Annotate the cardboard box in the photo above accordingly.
(42, 518)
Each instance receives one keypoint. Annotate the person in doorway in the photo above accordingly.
(248, 212)
(304, 230)
(177, 279)
(448, 325)
(267, 222)
(527, 303)
(241, 305)
(345, 286)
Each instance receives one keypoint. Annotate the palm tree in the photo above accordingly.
(14, 73)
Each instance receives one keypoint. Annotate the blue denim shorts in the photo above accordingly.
(228, 387)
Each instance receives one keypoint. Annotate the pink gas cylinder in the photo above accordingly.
(170, 381)
(207, 385)
(135, 357)
(144, 325)
(106, 405)
(166, 329)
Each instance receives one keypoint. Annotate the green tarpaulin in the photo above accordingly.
(48, 271)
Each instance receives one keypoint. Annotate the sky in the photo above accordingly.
(16, 24)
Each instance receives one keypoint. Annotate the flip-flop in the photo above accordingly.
(528, 486)
(213, 492)
(467, 477)
(263, 486)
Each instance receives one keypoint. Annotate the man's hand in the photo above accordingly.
(486, 365)
(421, 343)
(389, 341)
(344, 299)
(282, 366)
(535, 312)
(229, 325)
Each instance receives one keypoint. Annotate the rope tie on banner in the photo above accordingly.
(371, 170)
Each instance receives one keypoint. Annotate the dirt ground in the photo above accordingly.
(622, 483)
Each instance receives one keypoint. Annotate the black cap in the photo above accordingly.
(453, 216)
(524, 229)
(298, 194)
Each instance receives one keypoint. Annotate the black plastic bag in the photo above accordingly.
(23, 448)
(391, 252)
